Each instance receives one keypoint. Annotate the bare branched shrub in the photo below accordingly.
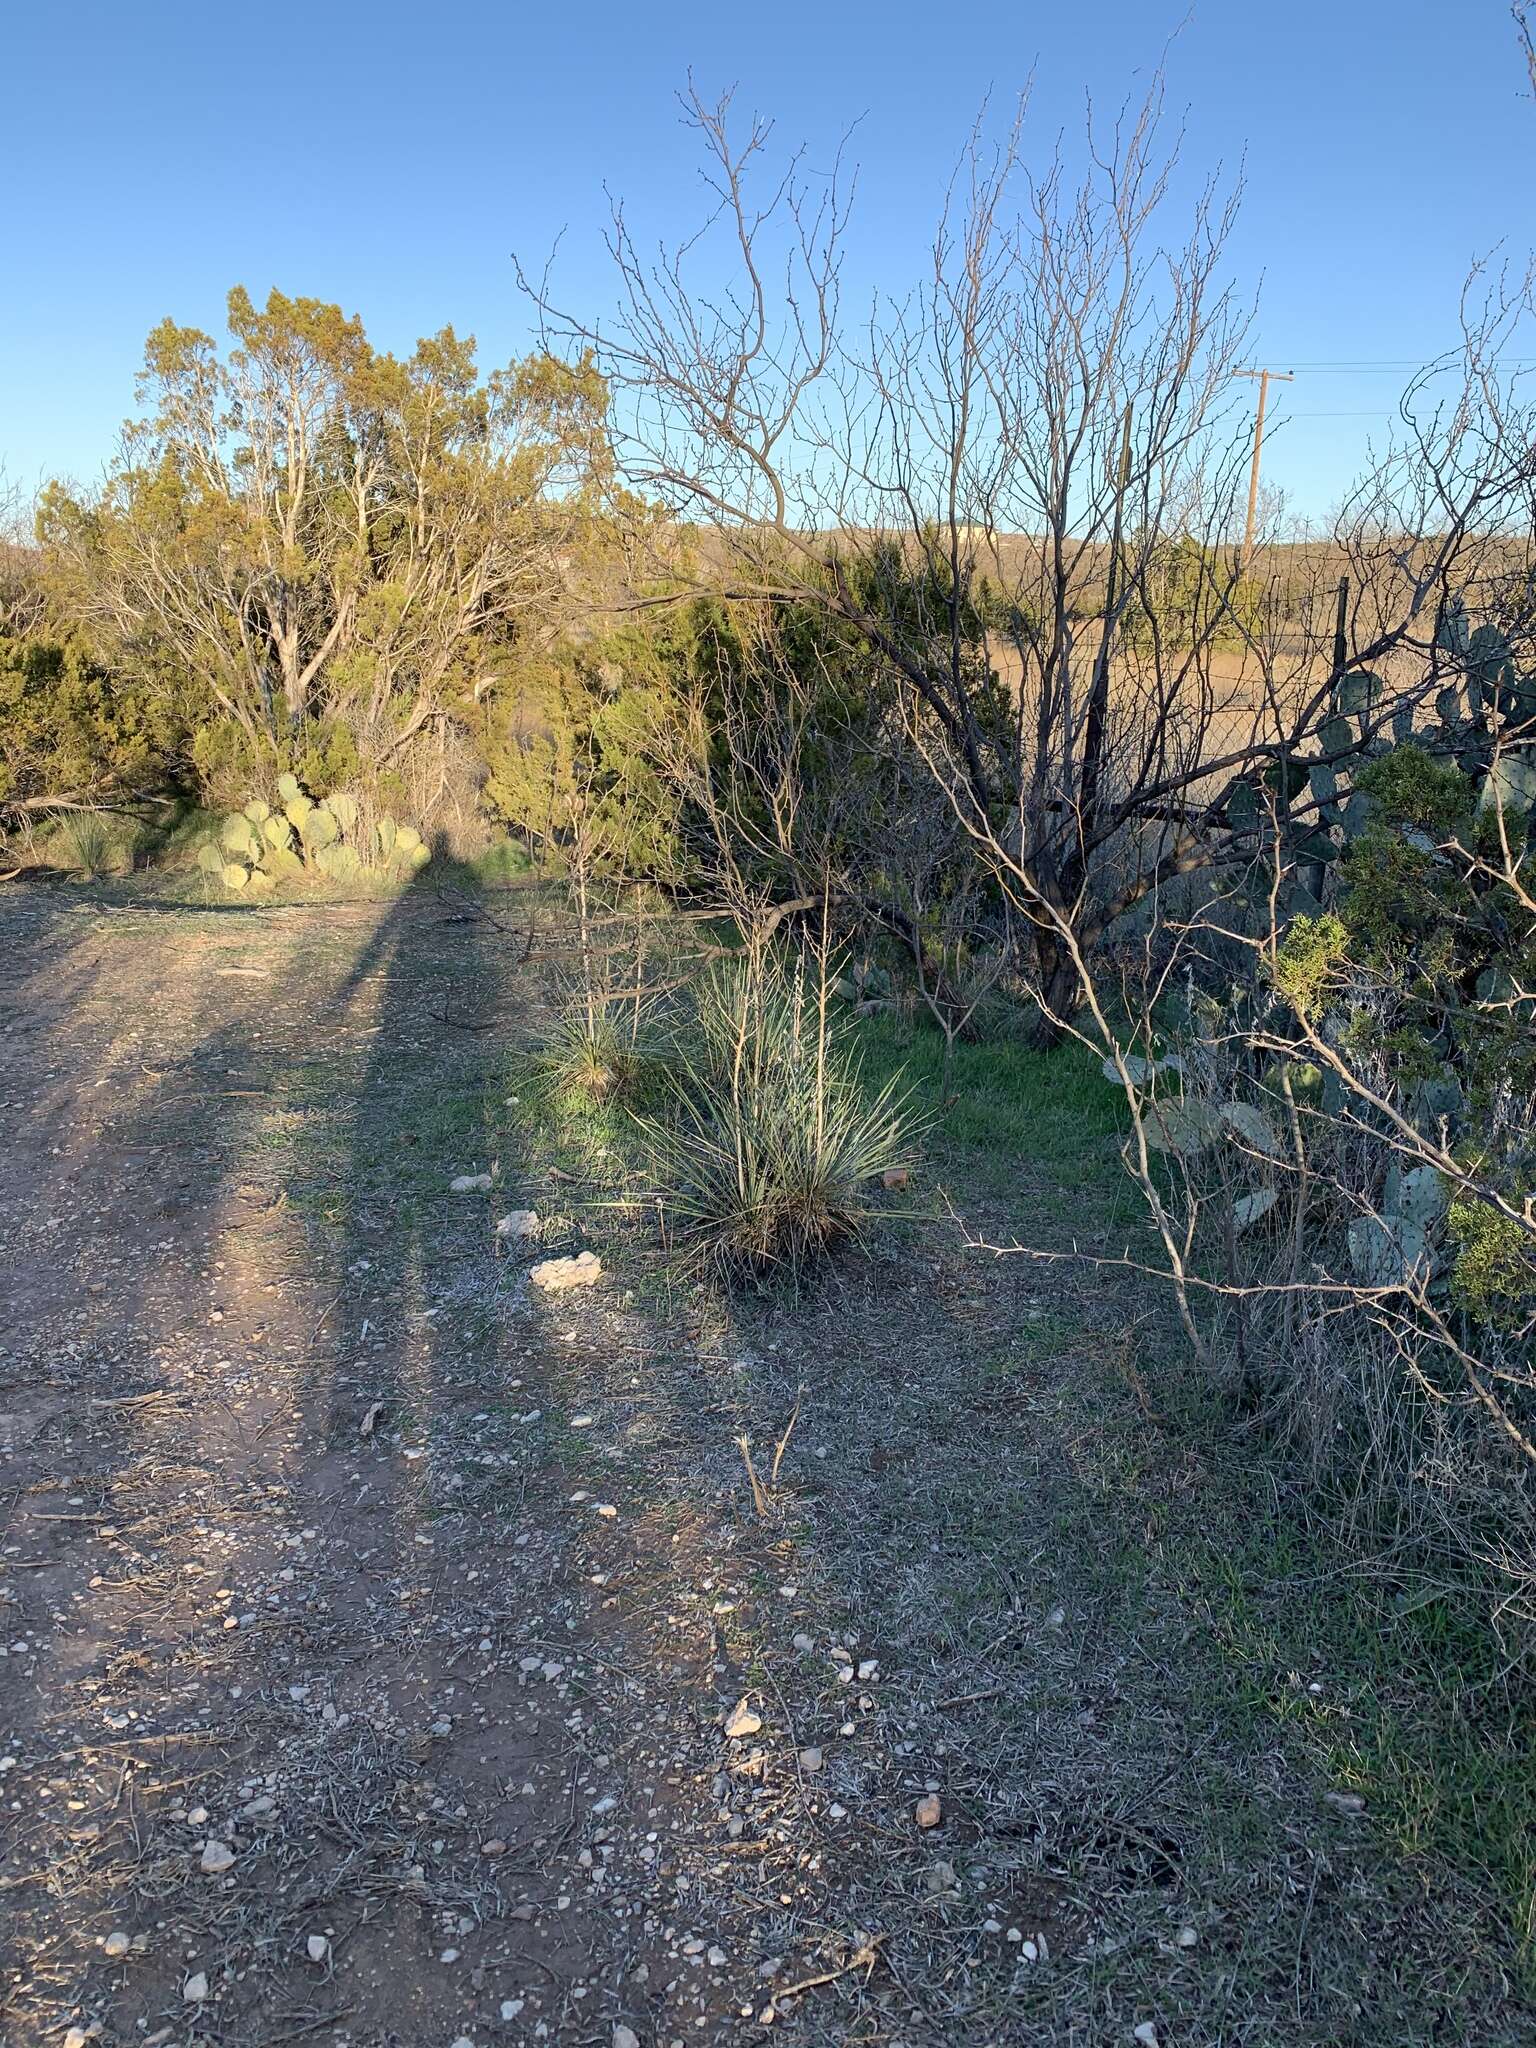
(1018, 486)
(1333, 1120)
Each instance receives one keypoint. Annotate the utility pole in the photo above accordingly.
(1264, 376)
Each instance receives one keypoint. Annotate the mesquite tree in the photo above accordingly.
(1020, 483)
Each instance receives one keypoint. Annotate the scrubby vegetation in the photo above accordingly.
(914, 760)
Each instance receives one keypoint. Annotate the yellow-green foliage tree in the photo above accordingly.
(71, 732)
(338, 546)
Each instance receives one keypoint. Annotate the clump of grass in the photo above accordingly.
(92, 843)
(775, 1147)
(602, 1052)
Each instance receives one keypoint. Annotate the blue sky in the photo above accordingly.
(392, 157)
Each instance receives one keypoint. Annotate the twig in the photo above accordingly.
(783, 1443)
(759, 1499)
(863, 1958)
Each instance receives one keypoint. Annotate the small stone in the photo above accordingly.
(941, 1878)
(195, 1990)
(494, 1847)
(317, 1948)
(518, 1223)
(510, 2008)
(1187, 1937)
(1146, 2034)
(625, 2037)
(1057, 1618)
(470, 1184)
(1345, 1802)
(743, 1721)
(896, 1176)
(810, 1759)
(217, 1858)
(802, 1642)
(117, 1943)
(869, 1669)
(928, 1811)
(77, 2037)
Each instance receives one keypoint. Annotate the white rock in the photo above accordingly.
(77, 2037)
(217, 1857)
(518, 1223)
(625, 2037)
(810, 1759)
(117, 1943)
(556, 1275)
(318, 1948)
(1146, 2034)
(743, 1721)
(195, 1990)
(1187, 1937)
(470, 1184)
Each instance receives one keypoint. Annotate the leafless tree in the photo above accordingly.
(1018, 484)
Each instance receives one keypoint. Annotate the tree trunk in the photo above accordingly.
(1057, 989)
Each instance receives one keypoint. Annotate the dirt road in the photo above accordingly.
(393, 1654)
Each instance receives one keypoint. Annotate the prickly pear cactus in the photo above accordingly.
(301, 836)
(318, 829)
(238, 836)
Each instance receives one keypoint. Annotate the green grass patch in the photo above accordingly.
(1413, 1711)
(1005, 1098)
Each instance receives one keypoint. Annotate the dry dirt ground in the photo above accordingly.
(394, 1654)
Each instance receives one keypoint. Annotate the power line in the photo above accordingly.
(1367, 363)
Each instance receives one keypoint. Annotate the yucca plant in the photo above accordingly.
(601, 1052)
(88, 842)
(775, 1146)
